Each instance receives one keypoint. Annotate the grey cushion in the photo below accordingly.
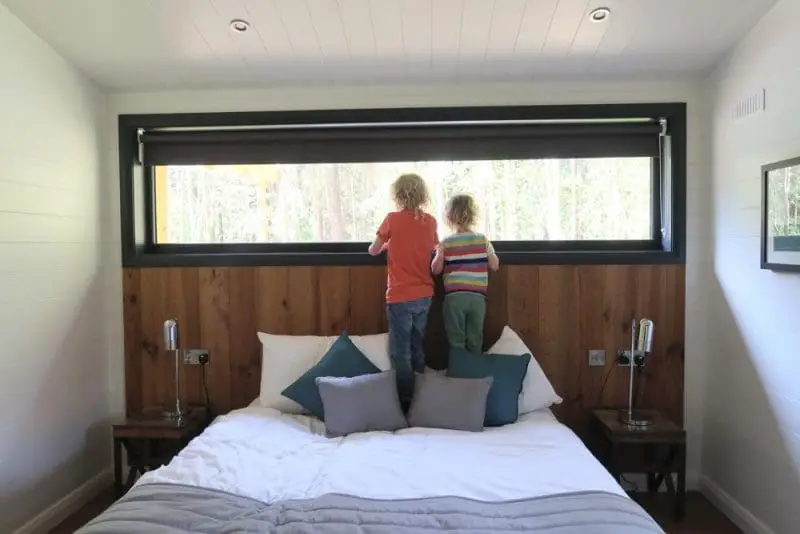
(452, 403)
(361, 404)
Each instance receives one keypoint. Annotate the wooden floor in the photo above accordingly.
(701, 516)
(94, 508)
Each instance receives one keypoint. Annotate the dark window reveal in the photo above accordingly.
(600, 184)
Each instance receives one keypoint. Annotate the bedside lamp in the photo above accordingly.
(641, 341)
(172, 344)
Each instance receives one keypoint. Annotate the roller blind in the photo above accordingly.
(396, 142)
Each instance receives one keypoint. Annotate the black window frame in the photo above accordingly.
(137, 212)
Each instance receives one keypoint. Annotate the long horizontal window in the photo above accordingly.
(553, 185)
(520, 200)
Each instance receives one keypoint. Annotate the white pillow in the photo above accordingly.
(284, 359)
(537, 391)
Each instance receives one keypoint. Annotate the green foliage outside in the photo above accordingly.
(784, 201)
(569, 199)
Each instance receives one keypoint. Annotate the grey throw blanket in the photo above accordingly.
(176, 509)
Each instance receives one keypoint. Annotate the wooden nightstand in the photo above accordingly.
(658, 450)
(151, 441)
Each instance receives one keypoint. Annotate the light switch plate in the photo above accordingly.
(597, 358)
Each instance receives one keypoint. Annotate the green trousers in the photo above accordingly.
(463, 320)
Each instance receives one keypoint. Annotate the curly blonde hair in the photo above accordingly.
(461, 212)
(410, 192)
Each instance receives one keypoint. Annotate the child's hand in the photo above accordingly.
(437, 265)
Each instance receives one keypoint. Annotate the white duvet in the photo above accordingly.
(263, 454)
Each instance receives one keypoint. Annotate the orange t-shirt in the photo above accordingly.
(412, 239)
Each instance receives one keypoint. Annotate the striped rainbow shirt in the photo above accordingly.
(466, 263)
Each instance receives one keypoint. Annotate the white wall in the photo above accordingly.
(698, 266)
(54, 292)
(752, 424)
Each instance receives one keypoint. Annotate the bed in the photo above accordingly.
(258, 470)
(269, 467)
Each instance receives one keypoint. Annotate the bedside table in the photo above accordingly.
(658, 450)
(151, 441)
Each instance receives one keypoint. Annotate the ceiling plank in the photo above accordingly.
(387, 19)
(297, 22)
(621, 26)
(416, 27)
(446, 39)
(267, 24)
(358, 27)
(536, 19)
(326, 18)
(564, 26)
(476, 21)
(506, 24)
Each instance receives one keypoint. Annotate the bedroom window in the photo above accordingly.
(606, 199)
(580, 184)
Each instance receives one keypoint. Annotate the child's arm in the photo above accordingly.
(494, 261)
(378, 246)
(437, 265)
(382, 237)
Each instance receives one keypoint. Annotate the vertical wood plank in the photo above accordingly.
(649, 291)
(559, 320)
(215, 332)
(245, 349)
(151, 297)
(522, 303)
(132, 322)
(367, 300)
(181, 292)
(662, 377)
(674, 358)
(620, 305)
(594, 322)
(191, 387)
(272, 304)
(302, 301)
(333, 288)
(497, 305)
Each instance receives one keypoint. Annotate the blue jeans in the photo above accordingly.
(407, 322)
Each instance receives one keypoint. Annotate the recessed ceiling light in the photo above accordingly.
(239, 25)
(600, 14)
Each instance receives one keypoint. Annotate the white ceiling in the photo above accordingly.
(152, 44)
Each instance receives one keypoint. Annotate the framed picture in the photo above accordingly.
(780, 216)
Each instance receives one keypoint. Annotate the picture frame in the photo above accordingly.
(780, 216)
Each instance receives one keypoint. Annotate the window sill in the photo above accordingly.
(255, 259)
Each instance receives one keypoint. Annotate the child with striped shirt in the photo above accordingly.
(464, 258)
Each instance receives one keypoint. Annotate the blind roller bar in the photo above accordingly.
(398, 131)
(405, 124)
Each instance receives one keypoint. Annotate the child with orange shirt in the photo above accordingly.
(410, 238)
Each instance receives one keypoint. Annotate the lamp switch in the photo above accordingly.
(597, 358)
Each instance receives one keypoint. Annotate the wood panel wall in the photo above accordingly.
(561, 311)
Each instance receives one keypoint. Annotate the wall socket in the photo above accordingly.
(624, 357)
(597, 358)
(195, 357)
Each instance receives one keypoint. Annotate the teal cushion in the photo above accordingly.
(507, 372)
(343, 360)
